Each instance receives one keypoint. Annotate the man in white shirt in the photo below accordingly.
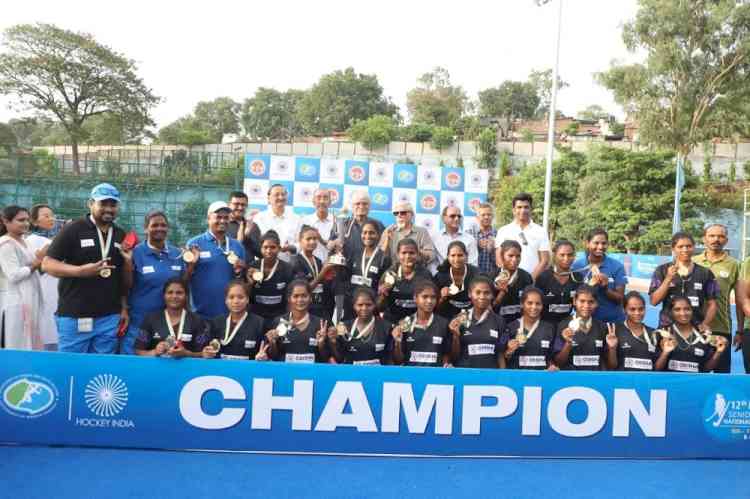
(452, 232)
(534, 241)
(277, 218)
(321, 220)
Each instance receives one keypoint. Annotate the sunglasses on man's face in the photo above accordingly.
(397, 213)
(455, 216)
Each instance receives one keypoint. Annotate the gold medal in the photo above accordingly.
(574, 324)
(188, 257)
(341, 329)
(105, 273)
(521, 338)
(453, 290)
(665, 334)
(389, 278)
(283, 328)
(406, 323)
(464, 319)
(215, 345)
(257, 276)
(232, 258)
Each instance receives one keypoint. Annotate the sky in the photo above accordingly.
(193, 51)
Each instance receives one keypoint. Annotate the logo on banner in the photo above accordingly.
(106, 395)
(380, 199)
(332, 169)
(452, 202)
(476, 181)
(28, 396)
(306, 194)
(255, 190)
(357, 173)
(474, 204)
(405, 176)
(428, 176)
(453, 179)
(726, 416)
(429, 202)
(307, 170)
(257, 167)
(334, 196)
(283, 166)
(380, 173)
(428, 223)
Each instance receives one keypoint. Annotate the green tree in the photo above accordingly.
(442, 138)
(436, 101)
(732, 176)
(185, 131)
(341, 98)
(416, 132)
(692, 86)
(510, 101)
(271, 114)
(594, 112)
(617, 129)
(541, 80)
(110, 129)
(374, 132)
(527, 135)
(71, 77)
(219, 116)
(7, 137)
(746, 171)
(487, 145)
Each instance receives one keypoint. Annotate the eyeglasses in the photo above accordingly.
(397, 213)
(455, 216)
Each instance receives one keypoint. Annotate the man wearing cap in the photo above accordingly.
(405, 228)
(278, 218)
(220, 259)
(95, 274)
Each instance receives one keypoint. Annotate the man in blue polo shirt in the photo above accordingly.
(220, 260)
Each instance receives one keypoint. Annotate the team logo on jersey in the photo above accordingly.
(257, 167)
(28, 396)
(405, 176)
(429, 202)
(453, 179)
(106, 395)
(726, 415)
(307, 170)
(357, 173)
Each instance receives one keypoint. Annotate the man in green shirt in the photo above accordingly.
(726, 270)
(742, 296)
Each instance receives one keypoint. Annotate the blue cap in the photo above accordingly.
(105, 191)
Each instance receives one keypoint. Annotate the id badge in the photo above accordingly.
(85, 325)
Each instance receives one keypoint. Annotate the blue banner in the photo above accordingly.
(124, 401)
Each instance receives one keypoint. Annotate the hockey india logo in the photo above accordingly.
(28, 396)
(332, 169)
(357, 173)
(257, 167)
(404, 198)
(106, 395)
(451, 202)
(726, 415)
(306, 194)
(453, 179)
(380, 172)
(255, 190)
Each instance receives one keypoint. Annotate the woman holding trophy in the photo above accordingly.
(173, 331)
(423, 339)
(479, 329)
(510, 281)
(558, 283)
(396, 289)
(635, 346)
(529, 340)
(298, 336)
(683, 347)
(305, 265)
(452, 279)
(365, 340)
(682, 277)
(366, 265)
(238, 334)
(268, 277)
(580, 342)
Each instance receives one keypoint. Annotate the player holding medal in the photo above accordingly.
(510, 281)
(268, 278)
(239, 333)
(684, 348)
(479, 329)
(529, 340)
(396, 290)
(580, 342)
(94, 276)
(364, 340)
(558, 283)
(305, 265)
(634, 346)
(367, 264)
(452, 279)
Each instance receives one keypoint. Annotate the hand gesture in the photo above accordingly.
(602, 279)
(161, 348)
(127, 254)
(704, 328)
(208, 352)
(721, 344)
(567, 335)
(241, 230)
(455, 326)
(397, 334)
(320, 335)
(332, 334)
(249, 275)
(512, 347)
(272, 335)
(178, 351)
(502, 285)
(612, 341)
(671, 273)
(262, 352)
(668, 345)
(92, 269)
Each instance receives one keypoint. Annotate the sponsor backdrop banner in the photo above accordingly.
(428, 188)
(124, 401)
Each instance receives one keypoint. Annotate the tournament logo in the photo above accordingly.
(357, 173)
(28, 396)
(453, 179)
(476, 180)
(452, 202)
(307, 170)
(332, 169)
(474, 204)
(306, 194)
(257, 167)
(380, 199)
(255, 190)
(726, 415)
(428, 224)
(380, 173)
(429, 202)
(428, 176)
(405, 176)
(106, 395)
(283, 166)
(404, 198)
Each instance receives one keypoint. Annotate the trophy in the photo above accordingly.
(521, 337)
(282, 329)
(389, 278)
(594, 279)
(215, 345)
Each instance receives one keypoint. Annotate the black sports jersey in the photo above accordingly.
(353, 276)
(322, 296)
(690, 356)
(371, 350)
(636, 353)
(510, 306)
(426, 347)
(400, 300)
(537, 352)
(460, 301)
(588, 348)
(558, 298)
(154, 329)
(300, 346)
(268, 298)
(699, 287)
(243, 345)
(481, 343)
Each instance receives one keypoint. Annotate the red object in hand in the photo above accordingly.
(130, 240)
(122, 327)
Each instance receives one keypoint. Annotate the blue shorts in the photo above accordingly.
(101, 339)
(127, 342)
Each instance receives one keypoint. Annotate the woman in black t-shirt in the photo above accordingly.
(396, 290)
(305, 265)
(175, 331)
(479, 329)
(634, 347)
(580, 341)
(365, 266)
(684, 348)
(452, 279)
(510, 281)
(529, 340)
(298, 336)
(558, 283)
(237, 335)
(364, 340)
(268, 278)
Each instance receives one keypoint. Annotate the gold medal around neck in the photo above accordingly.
(341, 329)
(283, 328)
(453, 290)
(188, 256)
(665, 334)
(105, 273)
(389, 278)
(215, 345)
(257, 276)
(232, 258)
(521, 338)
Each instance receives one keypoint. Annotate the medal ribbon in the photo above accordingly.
(645, 334)
(366, 266)
(698, 337)
(531, 330)
(482, 318)
(364, 333)
(271, 273)
(312, 264)
(179, 327)
(463, 281)
(103, 246)
(229, 337)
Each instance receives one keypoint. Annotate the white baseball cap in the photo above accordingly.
(218, 206)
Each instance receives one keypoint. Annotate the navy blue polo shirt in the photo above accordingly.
(212, 274)
(151, 269)
(607, 310)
